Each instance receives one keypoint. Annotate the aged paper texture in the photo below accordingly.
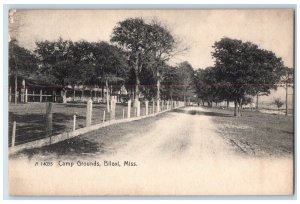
(151, 102)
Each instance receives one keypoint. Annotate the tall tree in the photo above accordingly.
(207, 87)
(111, 67)
(57, 62)
(132, 36)
(162, 48)
(186, 73)
(245, 68)
(22, 63)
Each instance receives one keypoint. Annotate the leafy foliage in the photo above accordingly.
(22, 62)
(67, 62)
(246, 68)
(278, 103)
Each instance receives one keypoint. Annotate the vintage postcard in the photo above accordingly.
(151, 102)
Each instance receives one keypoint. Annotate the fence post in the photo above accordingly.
(89, 109)
(108, 107)
(128, 108)
(49, 106)
(13, 136)
(26, 95)
(74, 122)
(147, 104)
(23, 91)
(41, 95)
(138, 109)
(63, 94)
(153, 106)
(123, 113)
(103, 119)
(54, 95)
(157, 106)
(113, 108)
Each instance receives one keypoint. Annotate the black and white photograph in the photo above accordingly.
(151, 102)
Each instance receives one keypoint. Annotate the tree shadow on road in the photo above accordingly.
(71, 148)
(205, 113)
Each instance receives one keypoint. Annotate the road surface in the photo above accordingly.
(180, 135)
(179, 153)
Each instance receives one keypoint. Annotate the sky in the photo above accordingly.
(271, 29)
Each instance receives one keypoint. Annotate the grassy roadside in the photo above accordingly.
(102, 141)
(256, 133)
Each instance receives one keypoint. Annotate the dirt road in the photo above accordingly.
(179, 153)
(181, 134)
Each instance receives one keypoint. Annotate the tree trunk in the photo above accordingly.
(227, 104)
(82, 95)
(16, 89)
(107, 96)
(158, 108)
(235, 108)
(74, 94)
(158, 85)
(102, 92)
(136, 93)
(241, 107)
(137, 81)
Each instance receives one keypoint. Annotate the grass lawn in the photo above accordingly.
(30, 118)
(256, 133)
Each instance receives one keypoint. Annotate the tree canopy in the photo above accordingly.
(147, 45)
(89, 63)
(22, 62)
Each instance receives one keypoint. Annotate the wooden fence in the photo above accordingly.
(158, 107)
